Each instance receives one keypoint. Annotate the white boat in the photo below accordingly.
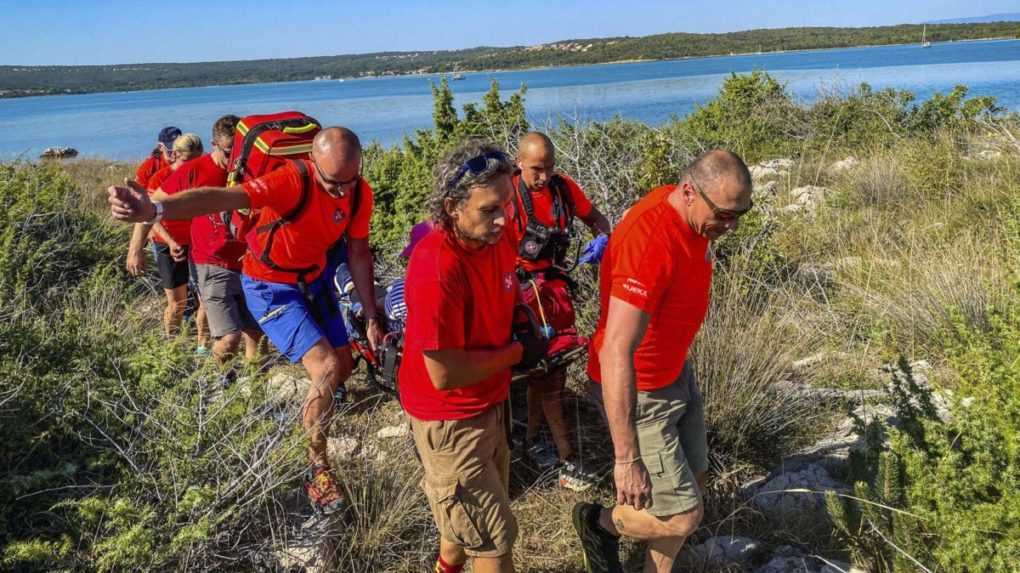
(924, 37)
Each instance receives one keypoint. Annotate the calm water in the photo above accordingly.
(124, 125)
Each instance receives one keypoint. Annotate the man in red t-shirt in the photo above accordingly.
(654, 287)
(170, 244)
(282, 274)
(214, 253)
(160, 157)
(461, 292)
(546, 202)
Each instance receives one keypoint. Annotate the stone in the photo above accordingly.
(341, 448)
(721, 551)
(58, 153)
(284, 389)
(809, 196)
(844, 165)
(832, 452)
(771, 168)
(764, 190)
(392, 432)
(796, 499)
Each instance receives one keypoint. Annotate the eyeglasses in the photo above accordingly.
(333, 182)
(720, 213)
(477, 164)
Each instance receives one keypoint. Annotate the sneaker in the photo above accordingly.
(600, 549)
(201, 351)
(542, 454)
(323, 489)
(576, 477)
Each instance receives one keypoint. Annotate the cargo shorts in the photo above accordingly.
(672, 441)
(467, 479)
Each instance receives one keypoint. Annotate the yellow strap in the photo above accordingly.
(299, 130)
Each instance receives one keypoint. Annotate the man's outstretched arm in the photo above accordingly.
(131, 203)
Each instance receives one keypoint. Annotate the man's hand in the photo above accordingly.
(135, 262)
(535, 347)
(633, 485)
(177, 252)
(130, 203)
(374, 332)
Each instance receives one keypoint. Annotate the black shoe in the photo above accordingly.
(601, 549)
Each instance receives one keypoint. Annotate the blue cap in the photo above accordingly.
(168, 134)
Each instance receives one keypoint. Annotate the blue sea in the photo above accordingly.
(124, 125)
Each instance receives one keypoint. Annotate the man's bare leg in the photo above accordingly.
(201, 325)
(251, 344)
(451, 553)
(173, 314)
(327, 367)
(665, 535)
(226, 346)
(552, 406)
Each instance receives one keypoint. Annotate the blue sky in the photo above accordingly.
(39, 32)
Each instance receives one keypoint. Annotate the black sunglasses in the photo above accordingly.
(334, 182)
(720, 213)
(477, 164)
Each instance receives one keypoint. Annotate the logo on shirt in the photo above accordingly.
(635, 287)
(338, 216)
(508, 282)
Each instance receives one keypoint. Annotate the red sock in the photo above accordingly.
(444, 567)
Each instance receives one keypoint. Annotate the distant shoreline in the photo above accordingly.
(43, 81)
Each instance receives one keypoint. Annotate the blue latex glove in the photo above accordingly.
(592, 253)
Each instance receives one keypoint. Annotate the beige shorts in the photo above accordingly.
(671, 440)
(467, 478)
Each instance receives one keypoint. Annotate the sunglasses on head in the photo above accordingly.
(720, 213)
(477, 164)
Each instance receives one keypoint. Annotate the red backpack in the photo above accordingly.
(264, 143)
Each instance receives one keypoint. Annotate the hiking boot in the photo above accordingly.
(542, 454)
(577, 477)
(601, 550)
(323, 489)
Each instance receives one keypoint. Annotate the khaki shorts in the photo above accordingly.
(467, 478)
(672, 441)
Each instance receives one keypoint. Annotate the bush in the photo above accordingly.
(946, 492)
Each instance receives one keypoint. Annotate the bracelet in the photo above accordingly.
(158, 216)
(627, 462)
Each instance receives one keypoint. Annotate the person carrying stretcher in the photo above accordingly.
(546, 202)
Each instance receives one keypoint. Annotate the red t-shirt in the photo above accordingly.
(149, 167)
(542, 204)
(179, 229)
(210, 240)
(304, 241)
(456, 299)
(657, 263)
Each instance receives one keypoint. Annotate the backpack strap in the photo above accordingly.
(563, 204)
(270, 229)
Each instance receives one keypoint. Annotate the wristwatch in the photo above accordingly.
(159, 212)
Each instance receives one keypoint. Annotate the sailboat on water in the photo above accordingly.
(924, 37)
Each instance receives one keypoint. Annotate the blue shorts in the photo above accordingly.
(293, 323)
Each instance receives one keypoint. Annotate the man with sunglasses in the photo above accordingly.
(654, 285)
(304, 208)
(161, 155)
(461, 291)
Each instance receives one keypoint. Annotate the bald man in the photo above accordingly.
(546, 202)
(303, 209)
(654, 287)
